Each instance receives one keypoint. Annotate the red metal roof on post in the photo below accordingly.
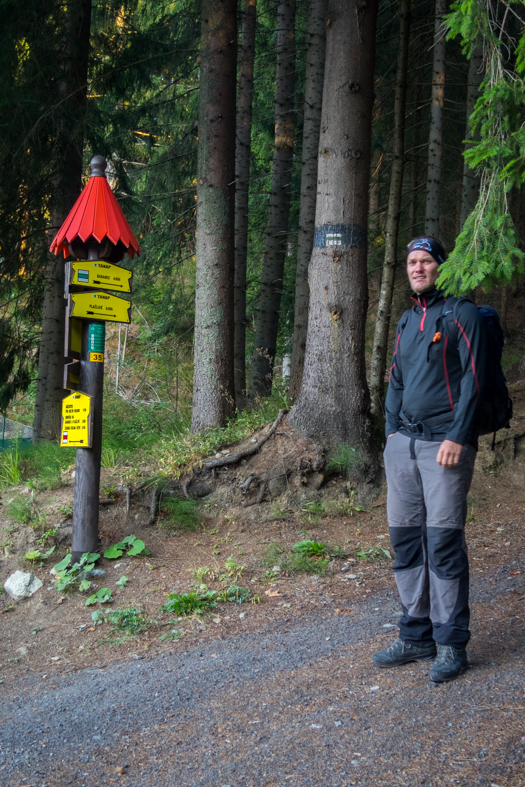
(96, 215)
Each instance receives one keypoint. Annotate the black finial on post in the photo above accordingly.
(98, 166)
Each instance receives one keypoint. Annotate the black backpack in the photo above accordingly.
(495, 409)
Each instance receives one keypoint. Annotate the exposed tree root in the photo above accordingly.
(232, 459)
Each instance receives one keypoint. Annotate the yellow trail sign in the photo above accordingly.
(99, 306)
(101, 275)
(76, 421)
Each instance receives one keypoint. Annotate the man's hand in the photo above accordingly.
(449, 453)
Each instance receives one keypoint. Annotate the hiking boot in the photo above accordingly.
(450, 663)
(402, 652)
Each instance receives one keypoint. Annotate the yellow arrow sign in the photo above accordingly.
(99, 306)
(100, 274)
(76, 421)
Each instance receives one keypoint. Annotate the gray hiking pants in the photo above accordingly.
(427, 508)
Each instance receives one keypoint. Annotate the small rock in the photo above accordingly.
(374, 688)
(338, 723)
(95, 572)
(276, 570)
(22, 584)
(389, 625)
(352, 576)
(23, 650)
(242, 615)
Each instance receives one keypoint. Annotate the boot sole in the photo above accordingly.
(452, 677)
(405, 661)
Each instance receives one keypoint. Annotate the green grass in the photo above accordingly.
(194, 603)
(130, 620)
(344, 460)
(180, 515)
(294, 562)
(183, 450)
(20, 508)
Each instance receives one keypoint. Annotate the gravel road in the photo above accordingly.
(295, 703)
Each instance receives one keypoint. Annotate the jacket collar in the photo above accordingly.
(428, 299)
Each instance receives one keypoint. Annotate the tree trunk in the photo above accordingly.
(415, 167)
(313, 97)
(469, 193)
(276, 229)
(333, 406)
(435, 139)
(66, 187)
(242, 189)
(213, 385)
(377, 372)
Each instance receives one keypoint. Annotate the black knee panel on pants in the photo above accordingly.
(408, 547)
(447, 552)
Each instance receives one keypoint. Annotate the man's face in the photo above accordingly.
(422, 271)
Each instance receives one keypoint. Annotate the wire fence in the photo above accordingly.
(12, 430)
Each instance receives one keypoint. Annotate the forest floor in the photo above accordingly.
(277, 692)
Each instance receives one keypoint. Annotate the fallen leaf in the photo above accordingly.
(515, 573)
(120, 769)
(271, 593)
(91, 628)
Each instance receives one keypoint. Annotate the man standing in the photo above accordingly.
(437, 373)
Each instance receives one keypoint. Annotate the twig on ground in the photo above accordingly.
(153, 506)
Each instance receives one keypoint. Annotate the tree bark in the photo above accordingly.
(313, 97)
(66, 187)
(435, 139)
(334, 406)
(415, 167)
(213, 384)
(379, 351)
(276, 229)
(469, 192)
(242, 178)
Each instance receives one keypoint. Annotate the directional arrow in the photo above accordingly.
(100, 275)
(99, 306)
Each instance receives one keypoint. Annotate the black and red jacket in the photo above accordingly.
(438, 369)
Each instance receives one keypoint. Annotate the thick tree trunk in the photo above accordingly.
(213, 385)
(435, 139)
(66, 184)
(379, 351)
(276, 229)
(313, 97)
(334, 406)
(470, 190)
(242, 189)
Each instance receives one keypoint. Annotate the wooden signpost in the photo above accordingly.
(89, 307)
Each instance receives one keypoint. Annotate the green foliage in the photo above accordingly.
(232, 569)
(309, 548)
(122, 582)
(373, 554)
(193, 603)
(67, 574)
(487, 250)
(132, 544)
(38, 555)
(344, 461)
(181, 514)
(20, 508)
(9, 467)
(102, 596)
(130, 620)
(295, 562)
(234, 594)
(179, 453)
